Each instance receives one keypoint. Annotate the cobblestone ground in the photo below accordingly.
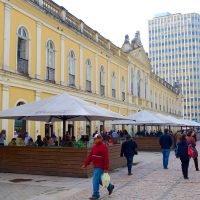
(148, 182)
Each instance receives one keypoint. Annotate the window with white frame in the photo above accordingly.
(123, 89)
(22, 51)
(88, 75)
(138, 84)
(72, 68)
(50, 71)
(113, 85)
(102, 81)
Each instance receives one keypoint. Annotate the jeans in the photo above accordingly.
(97, 172)
(129, 163)
(166, 153)
(184, 166)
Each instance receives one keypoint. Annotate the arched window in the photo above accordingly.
(72, 68)
(132, 82)
(138, 84)
(50, 75)
(123, 89)
(113, 85)
(20, 125)
(88, 75)
(22, 51)
(102, 81)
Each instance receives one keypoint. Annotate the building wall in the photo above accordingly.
(41, 28)
(2, 31)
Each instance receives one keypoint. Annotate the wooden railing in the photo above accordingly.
(56, 161)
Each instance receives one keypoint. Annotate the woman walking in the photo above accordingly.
(191, 140)
(183, 155)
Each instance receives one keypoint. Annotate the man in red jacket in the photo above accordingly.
(99, 157)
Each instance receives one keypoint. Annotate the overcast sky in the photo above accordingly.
(115, 18)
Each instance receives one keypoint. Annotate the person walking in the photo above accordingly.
(129, 149)
(191, 140)
(183, 155)
(100, 159)
(165, 143)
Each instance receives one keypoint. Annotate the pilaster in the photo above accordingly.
(81, 67)
(5, 104)
(62, 60)
(37, 124)
(39, 36)
(6, 53)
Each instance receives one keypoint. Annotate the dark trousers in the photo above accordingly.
(129, 163)
(184, 166)
(196, 163)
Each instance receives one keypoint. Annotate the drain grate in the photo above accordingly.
(18, 180)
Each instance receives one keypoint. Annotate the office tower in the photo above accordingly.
(174, 51)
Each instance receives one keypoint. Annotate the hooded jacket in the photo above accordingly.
(98, 156)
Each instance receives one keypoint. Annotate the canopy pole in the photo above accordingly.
(64, 127)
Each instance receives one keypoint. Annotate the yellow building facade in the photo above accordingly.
(44, 51)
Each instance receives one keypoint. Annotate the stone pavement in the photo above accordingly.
(148, 182)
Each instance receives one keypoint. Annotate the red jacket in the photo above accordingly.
(98, 156)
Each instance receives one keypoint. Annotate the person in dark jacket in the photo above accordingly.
(183, 155)
(165, 143)
(129, 149)
(100, 159)
(191, 140)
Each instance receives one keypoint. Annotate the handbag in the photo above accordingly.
(191, 152)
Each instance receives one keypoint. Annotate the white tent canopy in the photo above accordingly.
(142, 118)
(58, 108)
(150, 119)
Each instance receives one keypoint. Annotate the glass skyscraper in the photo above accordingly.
(174, 51)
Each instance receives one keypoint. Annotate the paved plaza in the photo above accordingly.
(148, 182)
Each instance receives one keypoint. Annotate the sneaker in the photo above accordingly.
(93, 198)
(111, 189)
(186, 178)
(129, 174)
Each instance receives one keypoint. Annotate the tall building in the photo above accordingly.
(174, 51)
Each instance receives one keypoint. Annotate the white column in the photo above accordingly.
(81, 67)
(6, 56)
(96, 74)
(39, 39)
(148, 88)
(128, 88)
(135, 81)
(129, 80)
(109, 83)
(62, 60)
(119, 84)
(142, 85)
(5, 105)
(37, 124)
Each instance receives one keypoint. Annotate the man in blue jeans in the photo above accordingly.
(165, 143)
(100, 159)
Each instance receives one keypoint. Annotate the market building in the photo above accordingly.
(45, 50)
